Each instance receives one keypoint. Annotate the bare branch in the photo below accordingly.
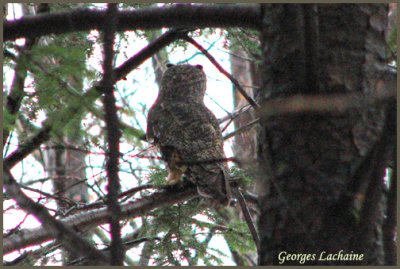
(74, 243)
(241, 129)
(215, 160)
(30, 145)
(335, 103)
(182, 15)
(247, 216)
(236, 113)
(152, 48)
(223, 71)
(85, 220)
(132, 191)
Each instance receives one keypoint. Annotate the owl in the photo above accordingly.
(187, 133)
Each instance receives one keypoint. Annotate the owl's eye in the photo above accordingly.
(198, 66)
(169, 65)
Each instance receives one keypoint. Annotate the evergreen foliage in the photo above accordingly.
(60, 76)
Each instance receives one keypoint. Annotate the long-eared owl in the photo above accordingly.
(187, 132)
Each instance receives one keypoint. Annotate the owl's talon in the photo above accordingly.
(174, 176)
(173, 181)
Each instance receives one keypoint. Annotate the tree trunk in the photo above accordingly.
(244, 143)
(316, 184)
(244, 148)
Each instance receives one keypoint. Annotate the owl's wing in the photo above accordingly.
(191, 133)
(190, 129)
(152, 133)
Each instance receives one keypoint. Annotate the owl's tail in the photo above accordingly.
(212, 182)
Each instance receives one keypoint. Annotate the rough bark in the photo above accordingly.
(310, 160)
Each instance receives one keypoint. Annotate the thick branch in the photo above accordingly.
(85, 220)
(14, 98)
(334, 103)
(182, 15)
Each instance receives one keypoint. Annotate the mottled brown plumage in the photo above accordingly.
(185, 130)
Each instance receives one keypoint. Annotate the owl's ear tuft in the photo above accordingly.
(169, 65)
(198, 66)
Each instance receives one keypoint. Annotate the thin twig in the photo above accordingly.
(208, 161)
(55, 228)
(222, 70)
(232, 115)
(241, 129)
(247, 216)
(99, 216)
(48, 195)
(132, 191)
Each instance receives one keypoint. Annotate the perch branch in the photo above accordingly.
(54, 228)
(84, 220)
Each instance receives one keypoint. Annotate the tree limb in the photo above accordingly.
(16, 94)
(54, 228)
(85, 220)
(181, 15)
(335, 103)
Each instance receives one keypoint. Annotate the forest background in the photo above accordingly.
(270, 96)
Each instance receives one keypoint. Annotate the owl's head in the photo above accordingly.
(183, 83)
